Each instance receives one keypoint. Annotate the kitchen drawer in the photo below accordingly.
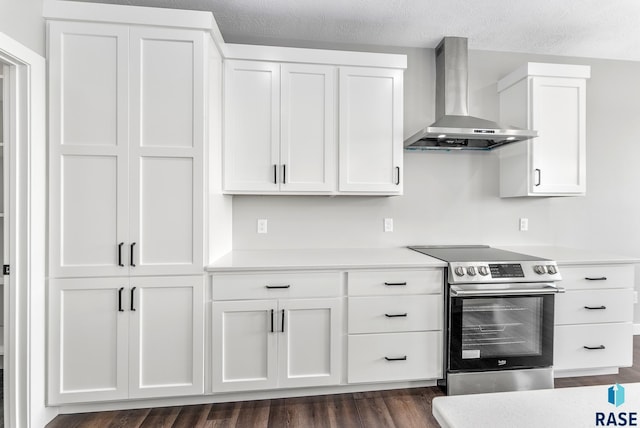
(614, 305)
(389, 282)
(385, 314)
(292, 285)
(417, 356)
(601, 276)
(570, 340)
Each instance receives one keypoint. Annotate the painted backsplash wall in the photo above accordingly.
(453, 197)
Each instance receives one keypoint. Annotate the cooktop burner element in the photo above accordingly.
(483, 264)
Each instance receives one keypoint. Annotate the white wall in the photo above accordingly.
(22, 21)
(453, 197)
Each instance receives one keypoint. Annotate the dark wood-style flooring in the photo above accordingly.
(405, 408)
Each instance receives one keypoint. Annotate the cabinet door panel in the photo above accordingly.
(87, 340)
(307, 155)
(166, 336)
(305, 362)
(252, 126)
(244, 347)
(371, 130)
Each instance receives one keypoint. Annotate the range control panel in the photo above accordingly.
(496, 272)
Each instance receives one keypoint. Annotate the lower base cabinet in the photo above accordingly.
(268, 344)
(120, 338)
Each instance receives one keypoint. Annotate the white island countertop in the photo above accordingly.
(548, 408)
(312, 259)
(571, 256)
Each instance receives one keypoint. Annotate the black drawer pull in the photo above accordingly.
(133, 307)
(595, 307)
(283, 321)
(602, 278)
(120, 254)
(275, 174)
(404, 358)
(391, 284)
(593, 348)
(271, 320)
(271, 287)
(395, 315)
(398, 176)
(120, 299)
(132, 264)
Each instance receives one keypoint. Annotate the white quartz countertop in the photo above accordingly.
(342, 258)
(569, 256)
(549, 408)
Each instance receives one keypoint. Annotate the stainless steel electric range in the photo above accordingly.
(498, 317)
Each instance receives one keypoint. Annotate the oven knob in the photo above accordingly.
(459, 271)
(471, 271)
(482, 270)
(539, 269)
(552, 269)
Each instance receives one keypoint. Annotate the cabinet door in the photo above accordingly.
(166, 152)
(251, 126)
(307, 141)
(87, 340)
(310, 342)
(371, 130)
(558, 154)
(88, 148)
(244, 348)
(166, 338)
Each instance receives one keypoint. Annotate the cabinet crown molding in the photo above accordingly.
(531, 69)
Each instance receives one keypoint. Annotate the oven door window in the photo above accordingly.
(501, 332)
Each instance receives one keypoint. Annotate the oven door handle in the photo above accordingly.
(457, 291)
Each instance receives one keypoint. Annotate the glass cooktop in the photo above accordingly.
(471, 253)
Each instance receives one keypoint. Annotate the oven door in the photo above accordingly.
(501, 327)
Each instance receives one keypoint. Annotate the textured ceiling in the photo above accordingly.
(585, 28)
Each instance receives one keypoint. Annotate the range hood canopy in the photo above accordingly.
(455, 129)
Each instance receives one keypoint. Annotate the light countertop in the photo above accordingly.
(571, 256)
(562, 407)
(342, 258)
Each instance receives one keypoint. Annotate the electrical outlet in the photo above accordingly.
(388, 225)
(262, 225)
(524, 224)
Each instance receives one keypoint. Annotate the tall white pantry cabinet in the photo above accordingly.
(126, 252)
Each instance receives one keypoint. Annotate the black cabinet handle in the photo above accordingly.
(539, 176)
(120, 299)
(133, 308)
(131, 263)
(284, 174)
(271, 320)
(404, 358)
(398, 176)
(120, 254)
(271, 287)
(396, 315)
(283, 321)
(394, 284)
(602, 278)
(593, 348)
(275, 174)
(595, 307)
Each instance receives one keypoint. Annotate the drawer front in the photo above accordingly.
(276, 285)
(386, 314)
(409, 356)
(570, 341)
(594, 306)
(596, 276)
(390, 282)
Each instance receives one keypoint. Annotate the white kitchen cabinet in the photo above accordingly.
(116, 338)
(126, 150)
(551, 99)
(279, 127)
(594, 320)
(370, 130)
(264, 343)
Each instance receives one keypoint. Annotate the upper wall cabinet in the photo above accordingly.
(126, 149)
(550, 98)
(289, 130)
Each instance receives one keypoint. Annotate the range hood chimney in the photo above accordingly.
(454, 129)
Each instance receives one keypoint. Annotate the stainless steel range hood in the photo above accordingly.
(454, 129)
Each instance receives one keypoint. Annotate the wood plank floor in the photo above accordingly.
(405, 408)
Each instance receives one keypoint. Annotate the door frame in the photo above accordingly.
(24, 359)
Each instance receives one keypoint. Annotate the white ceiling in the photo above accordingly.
(585, 28)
